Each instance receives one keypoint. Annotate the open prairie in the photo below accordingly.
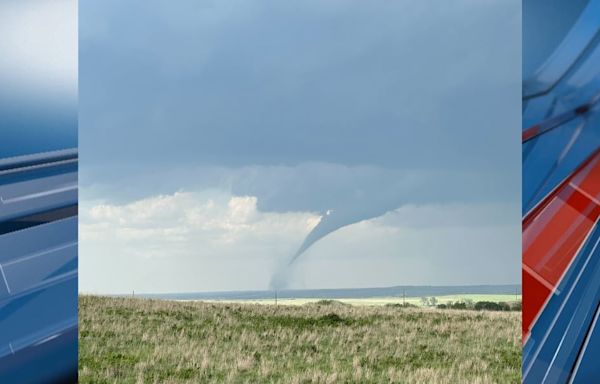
(444, 299)
(126, 340)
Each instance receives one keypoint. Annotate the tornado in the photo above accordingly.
(331, 221)
(370, 197)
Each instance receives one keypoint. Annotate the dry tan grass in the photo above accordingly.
(146, 341)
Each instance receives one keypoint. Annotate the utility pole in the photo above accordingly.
(404, 297)
(275, 297)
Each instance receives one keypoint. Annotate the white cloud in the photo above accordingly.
(183, 216)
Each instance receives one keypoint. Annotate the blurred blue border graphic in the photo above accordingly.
(561, 191)
(38, 191)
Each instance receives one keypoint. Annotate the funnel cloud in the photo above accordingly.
(330, 222)
(352, 212)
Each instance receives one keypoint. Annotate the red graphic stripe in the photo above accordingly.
(553, 234)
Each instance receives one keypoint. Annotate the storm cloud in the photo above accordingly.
(346, 107)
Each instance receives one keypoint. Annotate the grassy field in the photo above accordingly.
(146, 341)
(382, 300)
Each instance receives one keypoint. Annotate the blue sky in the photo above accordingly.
(214, 135)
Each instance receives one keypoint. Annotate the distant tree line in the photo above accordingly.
(465, 304)
(481, 305)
